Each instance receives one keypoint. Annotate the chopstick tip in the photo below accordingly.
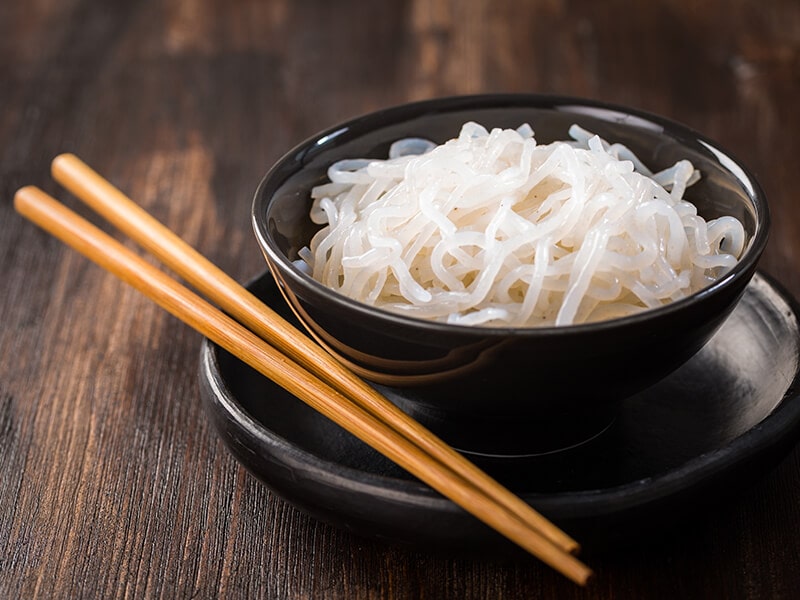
(23, 196)
(63, 160)
(64, 156)
(574, 569)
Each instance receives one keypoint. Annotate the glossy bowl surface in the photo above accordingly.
(474, 373)
(675, 452)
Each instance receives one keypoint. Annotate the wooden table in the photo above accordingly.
(113, 483)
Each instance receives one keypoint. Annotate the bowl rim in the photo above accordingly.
(611, 112)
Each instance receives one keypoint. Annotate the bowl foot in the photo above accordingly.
(518, 436)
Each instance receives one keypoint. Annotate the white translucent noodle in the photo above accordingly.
(493, 229)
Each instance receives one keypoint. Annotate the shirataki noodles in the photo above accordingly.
(492, 228)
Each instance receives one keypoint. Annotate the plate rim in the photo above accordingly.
(778, 431)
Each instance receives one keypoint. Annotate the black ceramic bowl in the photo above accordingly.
(537, 378)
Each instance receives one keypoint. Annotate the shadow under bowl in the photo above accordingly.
(557, 383)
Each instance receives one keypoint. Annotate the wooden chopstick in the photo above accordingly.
(215, 284)
(223, 330)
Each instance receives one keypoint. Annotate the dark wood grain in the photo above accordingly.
(112, 482)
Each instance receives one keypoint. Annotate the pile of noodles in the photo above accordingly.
(492, 228)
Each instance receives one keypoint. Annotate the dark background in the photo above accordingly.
(112, 482)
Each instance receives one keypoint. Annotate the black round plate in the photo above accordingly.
(710, 428)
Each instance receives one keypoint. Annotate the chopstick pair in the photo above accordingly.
(261, 338)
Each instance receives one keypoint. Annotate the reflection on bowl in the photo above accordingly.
(535, 376)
